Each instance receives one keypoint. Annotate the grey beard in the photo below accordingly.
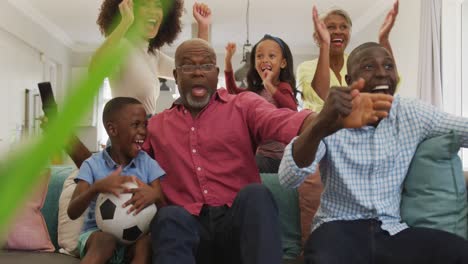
(195, 104)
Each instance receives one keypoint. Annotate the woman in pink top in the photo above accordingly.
(271, 76)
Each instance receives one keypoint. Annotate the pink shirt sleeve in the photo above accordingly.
(284, 96)
(270, 123)
(231, 83)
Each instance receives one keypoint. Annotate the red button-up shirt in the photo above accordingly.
(208, 159)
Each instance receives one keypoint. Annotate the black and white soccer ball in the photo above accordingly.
(112, 218)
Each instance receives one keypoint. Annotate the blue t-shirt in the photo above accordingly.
(100, 165)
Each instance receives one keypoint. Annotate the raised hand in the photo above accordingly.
(202, 13)
(321, 34)
(113, 183)
(367, 108)
(346, 107)
(388, 23)
(126, 11)
(143, 196)
(267, 77)
(43, 122)
(230, 50)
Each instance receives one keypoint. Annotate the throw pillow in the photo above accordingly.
(309, 200)
(68, 230)
(434, 191)
(29, 231)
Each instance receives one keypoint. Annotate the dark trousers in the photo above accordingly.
(247, 232)
(267, 164)
(363, 241)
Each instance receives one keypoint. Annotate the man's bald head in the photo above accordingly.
(196, 73)
(195, 44)
(355, 55)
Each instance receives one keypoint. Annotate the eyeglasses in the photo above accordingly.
(190, 68)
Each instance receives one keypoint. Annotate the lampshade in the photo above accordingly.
(163, 86)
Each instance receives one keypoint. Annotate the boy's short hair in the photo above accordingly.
(354, 54)
(114, 106)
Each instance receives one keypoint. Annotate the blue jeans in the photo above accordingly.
(247, 232)
(363, 241)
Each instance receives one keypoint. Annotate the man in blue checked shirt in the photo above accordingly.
(363, 167)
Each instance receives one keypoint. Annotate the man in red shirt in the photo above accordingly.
(219, 212)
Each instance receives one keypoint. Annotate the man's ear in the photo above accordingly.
(111, 129)
(348, 79)
(174, 72)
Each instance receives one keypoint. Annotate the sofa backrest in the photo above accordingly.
(287, 201)
(434, 192)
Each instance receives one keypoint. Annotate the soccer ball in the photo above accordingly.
(112, 218)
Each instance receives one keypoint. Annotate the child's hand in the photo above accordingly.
(202, 13)
(43, 122)
(230, 50)
(113, 183)
(126, 11)
(142, 196)
(267, 77)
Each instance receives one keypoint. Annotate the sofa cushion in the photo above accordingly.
(51, 208)
(29, 229)
(68, 230)
(434, 192)
(288, 207)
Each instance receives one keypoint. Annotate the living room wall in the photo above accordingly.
(25, 50)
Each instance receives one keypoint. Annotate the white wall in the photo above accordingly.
(452, 56)
(465, 75)
(405, 44)
(404, 39)
(20, 69)
(22, 42)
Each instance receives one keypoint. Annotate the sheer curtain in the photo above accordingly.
(430, 66)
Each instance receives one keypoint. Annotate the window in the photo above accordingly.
(464, 66)
(455, 61)
(104, 96)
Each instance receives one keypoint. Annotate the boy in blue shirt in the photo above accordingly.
(105, 172)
